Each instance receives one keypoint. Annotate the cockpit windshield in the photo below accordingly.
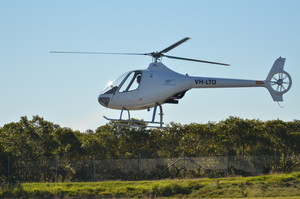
(112, 86)
(126, 82)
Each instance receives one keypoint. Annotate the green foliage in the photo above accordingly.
(37, 150)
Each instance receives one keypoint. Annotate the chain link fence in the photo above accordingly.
(133, 169)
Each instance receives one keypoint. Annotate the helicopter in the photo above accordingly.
(157, 85)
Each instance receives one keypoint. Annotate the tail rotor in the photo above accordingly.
(281, 82)
(278, 82)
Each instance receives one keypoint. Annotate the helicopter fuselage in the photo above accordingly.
(158, 85)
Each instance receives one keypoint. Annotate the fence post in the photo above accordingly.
(94, 164)
(56, 170)
(275, 160)
(184, 164)
(8, 170)
(227, 155)
(139, 165)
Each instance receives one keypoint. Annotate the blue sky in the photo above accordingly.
(63, 88)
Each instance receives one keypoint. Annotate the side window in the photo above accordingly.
(132, 82)
(136, 82)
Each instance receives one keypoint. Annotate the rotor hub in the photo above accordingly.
(281, 82)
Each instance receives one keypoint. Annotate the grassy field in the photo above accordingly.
(276, 185)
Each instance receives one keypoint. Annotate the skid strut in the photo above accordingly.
(128, 113)
(160, 114)
(136, 122)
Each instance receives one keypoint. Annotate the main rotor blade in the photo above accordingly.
(74, 52)
(196, 60)
(174, 45)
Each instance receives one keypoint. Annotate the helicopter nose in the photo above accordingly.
(103, 100)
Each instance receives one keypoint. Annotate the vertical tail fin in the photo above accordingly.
(278, 81)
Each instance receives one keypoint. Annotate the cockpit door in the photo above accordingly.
(131, 83)
(128, 90)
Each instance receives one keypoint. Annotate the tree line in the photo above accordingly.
(29, 143)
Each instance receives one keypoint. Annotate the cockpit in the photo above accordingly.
(125, 83)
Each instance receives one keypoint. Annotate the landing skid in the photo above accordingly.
(137, 123)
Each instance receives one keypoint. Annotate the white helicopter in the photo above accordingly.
(157, 85)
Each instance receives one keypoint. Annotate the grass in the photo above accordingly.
(276, 185)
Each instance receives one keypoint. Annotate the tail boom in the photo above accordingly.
(277, 82)
(207, 82)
